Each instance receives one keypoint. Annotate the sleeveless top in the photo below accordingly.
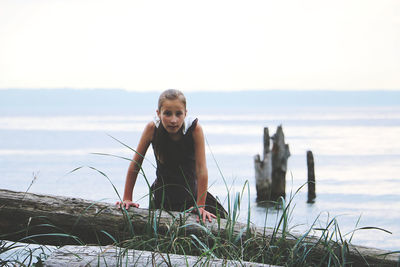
(175, 187)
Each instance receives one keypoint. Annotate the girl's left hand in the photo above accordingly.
(203, 214)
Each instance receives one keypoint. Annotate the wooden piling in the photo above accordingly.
(270, 172)
(311, 178)
(263, 171)
(280, 155)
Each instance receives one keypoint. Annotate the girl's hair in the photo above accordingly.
(171, 94)
(161, 135)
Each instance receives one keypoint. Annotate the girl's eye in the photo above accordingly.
(179, 113)
(167, 113)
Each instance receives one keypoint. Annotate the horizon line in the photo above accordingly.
(200, 90)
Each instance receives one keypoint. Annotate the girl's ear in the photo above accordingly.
(158, 113)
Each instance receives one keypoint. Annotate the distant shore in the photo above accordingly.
(254, 98)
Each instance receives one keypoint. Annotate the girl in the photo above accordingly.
(179, 149)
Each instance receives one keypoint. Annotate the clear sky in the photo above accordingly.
(196, 45)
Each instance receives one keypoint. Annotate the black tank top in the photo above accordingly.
(176, 182)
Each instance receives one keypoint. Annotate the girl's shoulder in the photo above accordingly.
(151, 125)
(149, 130)
(197, 131)
(190, 124)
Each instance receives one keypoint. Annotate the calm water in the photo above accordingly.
(356, 150)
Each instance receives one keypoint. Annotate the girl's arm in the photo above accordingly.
(201, 172)
(135, 165)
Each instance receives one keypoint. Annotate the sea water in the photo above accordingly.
(356, 151)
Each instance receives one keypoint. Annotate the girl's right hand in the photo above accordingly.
(126, 204)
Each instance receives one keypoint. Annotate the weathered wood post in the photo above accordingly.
(280, 155)
(270, 172)
(263, 171)
(311, 178)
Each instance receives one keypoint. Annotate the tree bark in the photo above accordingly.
(71, 256)
(25, 216)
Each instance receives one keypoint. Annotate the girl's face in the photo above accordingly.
(172, 115)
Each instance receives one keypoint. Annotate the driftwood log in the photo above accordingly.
(71, 256)
(270, 171)
(23, 216)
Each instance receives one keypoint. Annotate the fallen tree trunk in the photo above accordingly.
(70, 256)
(40, 219)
